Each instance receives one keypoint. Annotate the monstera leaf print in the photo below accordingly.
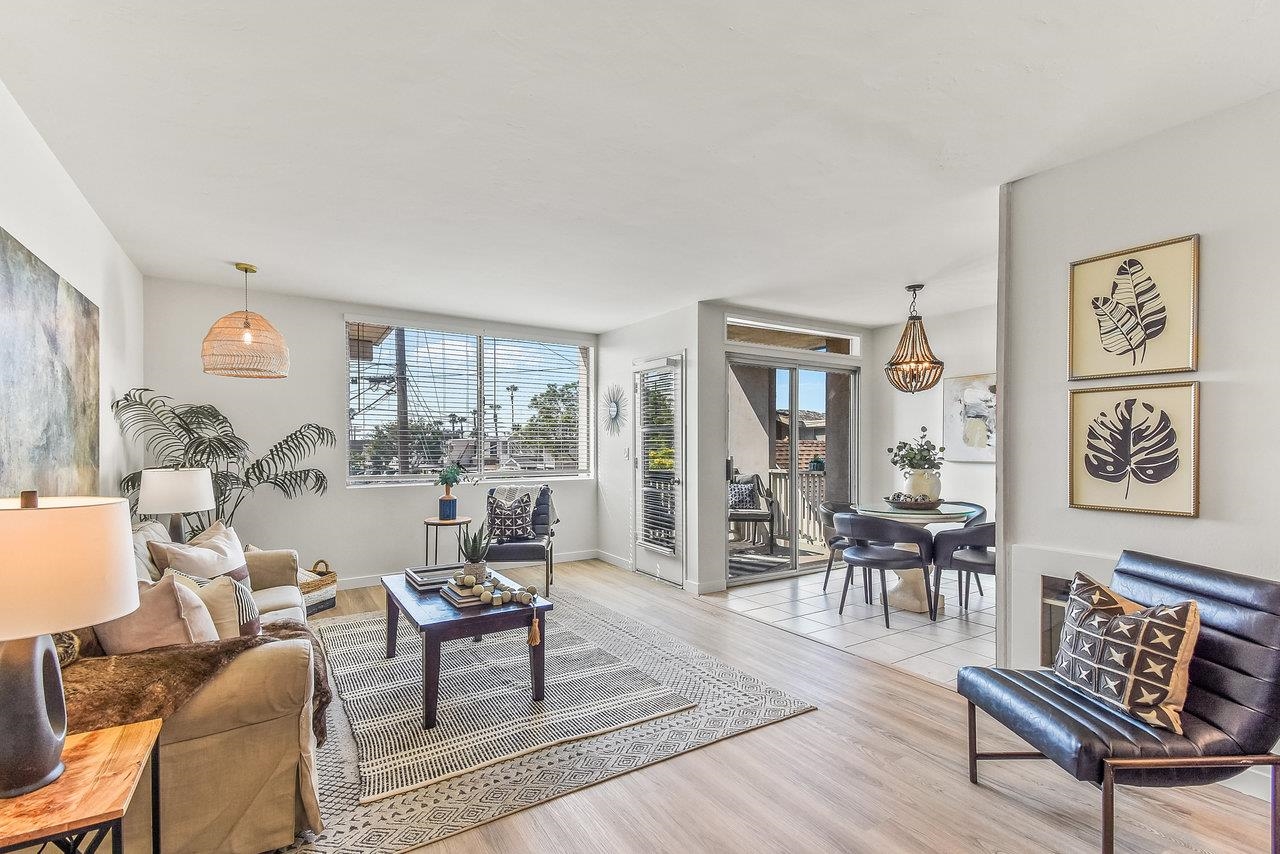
(1132, 315)
(1134, 440)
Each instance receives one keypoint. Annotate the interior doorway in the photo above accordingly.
(791, 447)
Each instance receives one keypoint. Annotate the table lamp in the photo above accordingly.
(175, 491)
(65, 563)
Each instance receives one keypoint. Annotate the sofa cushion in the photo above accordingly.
(144, 533)
(213, 552)
(1133, 657)
(278, 599)
(298, 614)
(1078, 731)
(167, 614)
(230, 604)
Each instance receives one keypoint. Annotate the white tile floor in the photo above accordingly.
(934, 651)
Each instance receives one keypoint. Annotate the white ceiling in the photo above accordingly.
(586, 163)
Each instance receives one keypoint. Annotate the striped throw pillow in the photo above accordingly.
(234, 612)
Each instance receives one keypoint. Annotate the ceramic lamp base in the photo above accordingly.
(33, 716)
(448, 508)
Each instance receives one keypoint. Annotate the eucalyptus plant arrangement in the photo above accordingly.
(919, 454)
(475, 546)
(198, 435)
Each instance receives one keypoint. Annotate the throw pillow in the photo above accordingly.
(742, 496)
(167, 614)
(1133, 657)
(230, 604)
(213, 552)
(511, 521)
(67, 645)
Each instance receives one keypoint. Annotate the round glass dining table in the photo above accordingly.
(908, 594)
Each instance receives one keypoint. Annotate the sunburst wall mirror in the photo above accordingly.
(615, 409)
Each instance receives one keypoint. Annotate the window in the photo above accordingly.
(496, 407)
(658, 462)
(746, 331)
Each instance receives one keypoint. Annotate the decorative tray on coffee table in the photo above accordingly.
(902, 504)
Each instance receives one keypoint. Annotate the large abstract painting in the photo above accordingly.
(48, 379)
(969, 418)
(1135, 448)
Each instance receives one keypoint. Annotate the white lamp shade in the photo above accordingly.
(175, 491)
(64, 565)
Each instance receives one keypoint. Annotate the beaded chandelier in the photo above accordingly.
(244, 343)
(913, 367)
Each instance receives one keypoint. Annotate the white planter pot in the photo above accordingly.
(922, 482)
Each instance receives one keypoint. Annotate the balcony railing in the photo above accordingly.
(813, 490)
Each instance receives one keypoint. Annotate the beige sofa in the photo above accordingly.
(237, 762)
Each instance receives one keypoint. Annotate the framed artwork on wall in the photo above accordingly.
(969, 418)
(1135, 449)
(1133, 312)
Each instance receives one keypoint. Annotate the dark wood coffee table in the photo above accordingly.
(438, 621)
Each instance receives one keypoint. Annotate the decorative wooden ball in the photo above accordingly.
(468, 581)
(525, 597)
(506, 596)
(532, 590)
(486, 597)
(477, 590)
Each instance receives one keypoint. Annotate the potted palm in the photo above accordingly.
(919, 462)
(450, 476)
(475, 547)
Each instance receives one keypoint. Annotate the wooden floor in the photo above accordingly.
(880, 767)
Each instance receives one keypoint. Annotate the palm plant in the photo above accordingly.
(475, 546)
(199, 435)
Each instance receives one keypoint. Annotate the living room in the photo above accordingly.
(605, 323)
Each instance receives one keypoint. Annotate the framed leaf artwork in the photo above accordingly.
(1134, 312)
(1136, 449)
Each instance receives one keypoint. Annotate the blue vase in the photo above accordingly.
(448, 508)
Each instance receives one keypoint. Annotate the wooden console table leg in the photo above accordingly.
(537, 660)
(430, 679)
(393, 625)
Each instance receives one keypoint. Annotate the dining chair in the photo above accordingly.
(827, 511)
(979, 517)
(874, 547)
(969, 551)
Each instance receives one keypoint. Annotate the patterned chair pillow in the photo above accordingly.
(742, 496)
(511, 520)
(1133, 657)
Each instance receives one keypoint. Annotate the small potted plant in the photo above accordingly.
(919, 462)
(475, 547)
(450, 476)
(818, 464)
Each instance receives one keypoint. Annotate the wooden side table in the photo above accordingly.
(89, 800)
(435, 523)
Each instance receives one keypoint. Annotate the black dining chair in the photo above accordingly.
(978, 518)
(827, 511)
(969, 551)
(874, 546)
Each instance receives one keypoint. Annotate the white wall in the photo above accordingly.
(1216, 176)
(365, 531)
(44, 210)
(966, 343)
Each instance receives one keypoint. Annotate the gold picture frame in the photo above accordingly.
(1134, 312)
(1135, 449)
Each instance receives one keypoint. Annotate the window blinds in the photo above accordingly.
(657, 459)
(420, 400)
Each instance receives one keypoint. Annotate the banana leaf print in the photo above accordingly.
(1133, 314)
(1134, 440)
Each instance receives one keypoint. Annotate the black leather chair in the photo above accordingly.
(967, 550)
(540, 547)
(1231, 719)
(827, 511)
(873, 547)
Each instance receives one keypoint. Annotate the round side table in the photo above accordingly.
(462, 524)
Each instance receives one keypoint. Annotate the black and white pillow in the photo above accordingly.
(742, 496)
(511, 520)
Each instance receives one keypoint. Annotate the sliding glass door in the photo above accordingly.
(791, 431)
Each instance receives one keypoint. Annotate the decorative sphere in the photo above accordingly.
(477, 590)
(486, 597)
(525, 597)
(506, 596)
(468, 581)
(532, 590)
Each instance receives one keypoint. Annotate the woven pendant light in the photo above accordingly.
(913, 367)
(244, 343)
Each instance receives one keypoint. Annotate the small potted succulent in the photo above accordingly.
(475, 547)
(919, 462)
(450, 476)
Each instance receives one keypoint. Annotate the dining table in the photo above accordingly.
(908, 592)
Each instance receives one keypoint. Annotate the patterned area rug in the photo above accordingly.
(485, 714)
(727, 702)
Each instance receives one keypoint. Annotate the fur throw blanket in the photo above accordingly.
(114, 690)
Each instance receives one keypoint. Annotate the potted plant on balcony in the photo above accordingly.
(450, 476)
(919, 462)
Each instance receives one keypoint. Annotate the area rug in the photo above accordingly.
(485, 712)
(726, 701)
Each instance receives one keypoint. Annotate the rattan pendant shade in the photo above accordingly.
(913, 366)
(244, 343)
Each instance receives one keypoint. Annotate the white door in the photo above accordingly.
(658, 521)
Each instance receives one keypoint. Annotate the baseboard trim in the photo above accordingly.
(613, 560)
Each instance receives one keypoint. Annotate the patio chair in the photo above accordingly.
(1229, 719)
(762, 511)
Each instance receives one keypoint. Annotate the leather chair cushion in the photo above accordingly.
(1078, 731)
(881, 557)
(974, 560)
(514, 550)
